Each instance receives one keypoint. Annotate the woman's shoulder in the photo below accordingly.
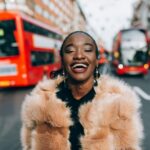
(44, 87)
(38, 96)
(118, 90)
(43, 102)
(113, 84)
(47, 85)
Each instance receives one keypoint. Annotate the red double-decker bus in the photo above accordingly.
(130, 52)
(29, 50)
(104, 54)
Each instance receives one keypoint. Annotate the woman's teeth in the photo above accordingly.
(79, 65)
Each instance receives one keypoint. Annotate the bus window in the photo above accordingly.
(133, 44)
(140, 56)
(39, 30)
(8, 44)
(41, 58)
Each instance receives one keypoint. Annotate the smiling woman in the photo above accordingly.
(79, 58)
(78, 109)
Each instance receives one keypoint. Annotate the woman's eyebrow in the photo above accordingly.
(89, 44)
(68, 45)
(71, 44)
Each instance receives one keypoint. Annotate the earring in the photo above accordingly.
(97, 73)
(63, 73)
(64, 78)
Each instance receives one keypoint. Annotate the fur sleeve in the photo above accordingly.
(28, 124)
(127, 125)
(26, 137)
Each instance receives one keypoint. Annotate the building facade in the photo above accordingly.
(141, 17)
(66, 15)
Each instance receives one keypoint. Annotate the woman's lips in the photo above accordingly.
(79, 68)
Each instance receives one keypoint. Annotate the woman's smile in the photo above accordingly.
(79, 67)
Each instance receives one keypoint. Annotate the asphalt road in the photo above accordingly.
(10, 106)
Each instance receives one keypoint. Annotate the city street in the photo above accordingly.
(10, 106)
(38, 37)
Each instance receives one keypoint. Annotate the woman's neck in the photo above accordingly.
(80, 89)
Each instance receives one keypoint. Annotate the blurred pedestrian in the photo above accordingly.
(79, 109)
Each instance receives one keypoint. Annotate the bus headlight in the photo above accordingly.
(146, 66)
(120, 66)
(24, 76)
(116, 54)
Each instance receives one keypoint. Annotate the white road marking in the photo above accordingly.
(141, 93)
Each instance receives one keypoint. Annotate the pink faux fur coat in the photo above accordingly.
(111, 121)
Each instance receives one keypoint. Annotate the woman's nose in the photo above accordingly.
(79, 54)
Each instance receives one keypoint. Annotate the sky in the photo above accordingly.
(107, 17)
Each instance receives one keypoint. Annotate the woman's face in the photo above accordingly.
(79, 57)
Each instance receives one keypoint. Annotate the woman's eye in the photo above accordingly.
(69, 50)
(88, 50)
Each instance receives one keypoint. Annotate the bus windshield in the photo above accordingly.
(8, 44)
(133, 47)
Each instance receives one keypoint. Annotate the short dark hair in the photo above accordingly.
(66, 38)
